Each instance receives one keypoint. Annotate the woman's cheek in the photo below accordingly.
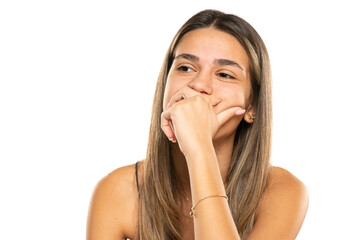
(234, 96)
(172, 86)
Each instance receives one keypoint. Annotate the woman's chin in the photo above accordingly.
(223, 136)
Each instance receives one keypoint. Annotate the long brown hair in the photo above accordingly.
(159, 213)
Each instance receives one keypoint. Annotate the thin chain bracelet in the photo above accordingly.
(192, 213)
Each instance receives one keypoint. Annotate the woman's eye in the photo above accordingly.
(224, 75)
(184, 69)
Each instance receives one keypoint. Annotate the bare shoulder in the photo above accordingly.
(118, 183)
(282, 179)
(284, 186)
(282, 208)
(113, 207)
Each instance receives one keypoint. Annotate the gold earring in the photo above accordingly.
(252, 117)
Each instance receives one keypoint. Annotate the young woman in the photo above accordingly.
(207, 173)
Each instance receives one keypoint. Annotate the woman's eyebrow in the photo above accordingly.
(223, 62)
(188, 56)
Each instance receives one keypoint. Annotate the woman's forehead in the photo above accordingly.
(208, 44)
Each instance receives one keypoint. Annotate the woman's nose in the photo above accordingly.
(201, 84)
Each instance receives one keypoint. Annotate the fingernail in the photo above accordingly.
(240, 112)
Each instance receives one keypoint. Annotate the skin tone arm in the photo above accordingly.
(212, 218)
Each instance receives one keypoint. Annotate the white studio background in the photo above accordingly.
(76, 87)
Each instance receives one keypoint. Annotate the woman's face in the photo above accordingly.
(214, 64)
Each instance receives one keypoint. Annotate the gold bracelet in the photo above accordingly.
(192, 213)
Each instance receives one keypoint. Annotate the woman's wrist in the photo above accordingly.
(195, 153)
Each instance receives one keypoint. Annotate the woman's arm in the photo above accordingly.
(212, 216)
(194, 124)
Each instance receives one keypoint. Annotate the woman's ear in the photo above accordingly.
(250, 114)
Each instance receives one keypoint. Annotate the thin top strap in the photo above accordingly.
(136, 174)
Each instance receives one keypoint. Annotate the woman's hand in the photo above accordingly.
(190, 119)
